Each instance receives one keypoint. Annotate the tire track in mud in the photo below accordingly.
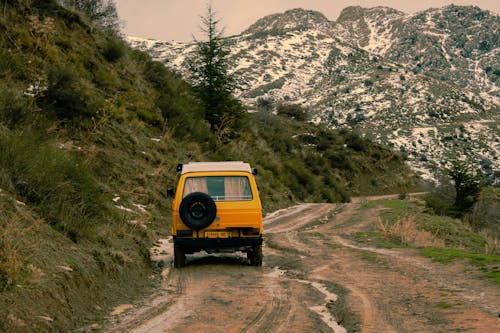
(296, 240)
(286, 227)
(269, 319)
(297, 217)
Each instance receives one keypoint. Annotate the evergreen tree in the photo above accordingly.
(213, 83)
(467, 187)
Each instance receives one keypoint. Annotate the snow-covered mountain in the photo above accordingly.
(425, 84)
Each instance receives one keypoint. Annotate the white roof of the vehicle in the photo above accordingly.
(216, 166)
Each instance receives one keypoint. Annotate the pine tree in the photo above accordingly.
(213, 83)
(467, 186)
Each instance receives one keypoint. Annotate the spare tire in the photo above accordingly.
(197, 210)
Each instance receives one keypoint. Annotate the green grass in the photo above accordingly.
(487, 263)
(375, 238)
(453, 232)
(494, 275)
(317, 234)
(368, 205)
(400, 205)
(443, 305)
(353, 220)
(333, 246)
(449, 255)
(395, 210)
(369, 256)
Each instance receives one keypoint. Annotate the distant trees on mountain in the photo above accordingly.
(101, 11)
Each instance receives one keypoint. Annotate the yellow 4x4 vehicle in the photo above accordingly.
(217, 208)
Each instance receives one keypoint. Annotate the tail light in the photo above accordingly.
(184, 233)
(251, 232)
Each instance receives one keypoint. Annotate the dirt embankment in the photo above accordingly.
(315, 279)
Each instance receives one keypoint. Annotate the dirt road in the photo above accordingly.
(315, 279)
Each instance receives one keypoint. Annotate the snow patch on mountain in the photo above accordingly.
(411, 82)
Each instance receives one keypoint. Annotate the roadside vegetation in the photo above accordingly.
(410, 223)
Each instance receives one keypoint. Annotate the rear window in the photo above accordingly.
(220, 188)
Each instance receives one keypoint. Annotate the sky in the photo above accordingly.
(179, 20)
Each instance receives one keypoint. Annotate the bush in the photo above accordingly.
(293, 111)
(114, 49)
(265, 104)
(453, 232)
(71, 96)
(486, 213)
(13, 108)
(339, 159)
(355, 142)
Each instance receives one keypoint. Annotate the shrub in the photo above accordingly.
(114, 49)
(265, 104)
(406, 231)
(453, 232)
(339, 159)
(440, 199)
(13, 108)
(70, 96)
(355, 142)
(12, 64)
(150, 116)
(486, 213)
(293, 111)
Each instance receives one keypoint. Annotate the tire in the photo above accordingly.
(197, 210)
(255, 256)
(179, 257)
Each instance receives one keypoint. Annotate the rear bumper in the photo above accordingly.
(191, 245)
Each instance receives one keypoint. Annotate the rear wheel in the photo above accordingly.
(255, 256)
(179, 257)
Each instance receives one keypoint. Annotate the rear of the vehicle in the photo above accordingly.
(217, 208)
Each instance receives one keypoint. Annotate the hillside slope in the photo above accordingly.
(90, 134)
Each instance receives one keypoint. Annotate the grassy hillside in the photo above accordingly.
(90, 134)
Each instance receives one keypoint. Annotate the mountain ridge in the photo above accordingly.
(292, 19)
(380, 71)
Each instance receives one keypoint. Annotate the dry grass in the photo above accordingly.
(14, 257)
(492, 243)
(405, 231)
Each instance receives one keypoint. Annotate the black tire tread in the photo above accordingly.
(192, 199)
(179, 257)
(255, 256)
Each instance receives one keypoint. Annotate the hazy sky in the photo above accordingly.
(179, 20)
